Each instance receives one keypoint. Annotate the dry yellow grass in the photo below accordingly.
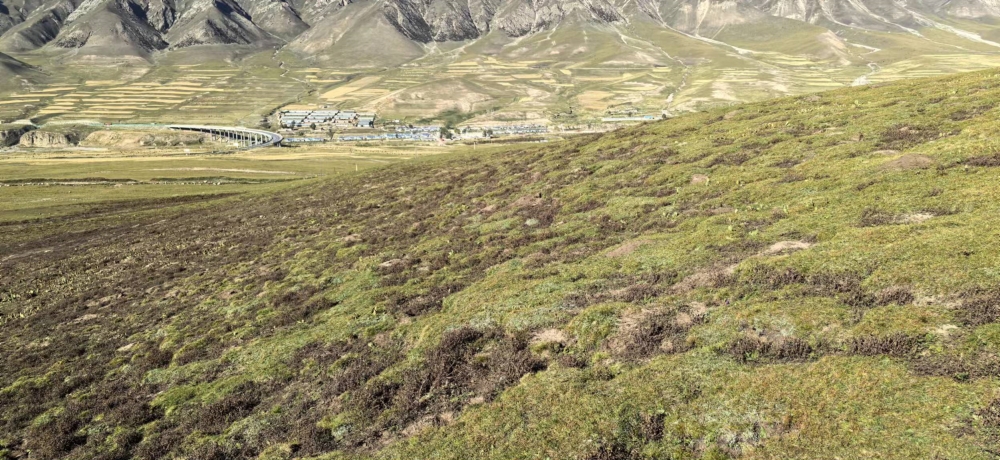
(115, 107)
(349, 88)
(596, 79)
(594, 100)
(55, 90)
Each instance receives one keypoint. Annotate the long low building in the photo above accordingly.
(343, 118)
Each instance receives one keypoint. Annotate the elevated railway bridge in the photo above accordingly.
(243, 138)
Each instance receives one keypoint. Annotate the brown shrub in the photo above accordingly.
(865, 185)
(415, 305)
(198, 350)
(960, 368)
(989, 161)
(965, 114)
(124, 405)
(755, 349)
(216, 450)
(572, 360)
(791, 177)
(874, 217)
(55, 438)
(730, 159)
(159, 444)
(979, 308)
(606, 225)
(652, 332)
(901, 137)
(632, 289)
(633, 431)
(988, 427)
(154, 358)
(899, 295)
(346, 365)
(760, 276)
(845, 287)
(787, 163)
(897, 345)
(637, 293)
(467, 362)
(215, 417)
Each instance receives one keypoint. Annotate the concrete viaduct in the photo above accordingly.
(245, 138)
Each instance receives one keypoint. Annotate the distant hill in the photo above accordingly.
(551, 62)
(810, 277)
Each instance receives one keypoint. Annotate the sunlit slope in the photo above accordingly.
(810, 277)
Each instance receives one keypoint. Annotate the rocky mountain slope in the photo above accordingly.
(139, 28)
(810, 277)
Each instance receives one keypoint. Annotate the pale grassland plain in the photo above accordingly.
(50, 182)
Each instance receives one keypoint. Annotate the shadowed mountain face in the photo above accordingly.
(138, 28)
(10, 67)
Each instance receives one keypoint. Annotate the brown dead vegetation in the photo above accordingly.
(989, 161)
(979, 308)
(762, 348)
(902, 137)
(650, 332)
(896, 345)
(635, 289)
(467, 363)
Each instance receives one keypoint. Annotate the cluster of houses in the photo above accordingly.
(303, 140)
(639, 118)
(516, 130)
(418, 129)
(326, 118)
(421, 137)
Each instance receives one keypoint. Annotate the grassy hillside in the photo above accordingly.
(803, 278)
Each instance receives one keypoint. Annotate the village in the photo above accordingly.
(325, 124)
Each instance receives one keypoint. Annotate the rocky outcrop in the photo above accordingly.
(133, 139)
(43, 138)
(11, 135)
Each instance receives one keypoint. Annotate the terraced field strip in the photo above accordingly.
(18, 101)
(935, 65)
(339, 93)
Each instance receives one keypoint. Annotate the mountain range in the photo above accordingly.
(409, 29)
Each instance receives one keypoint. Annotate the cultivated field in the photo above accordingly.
(521, 83)
(52, 182)
(195, 94)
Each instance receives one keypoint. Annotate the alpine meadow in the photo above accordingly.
(498, 229)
